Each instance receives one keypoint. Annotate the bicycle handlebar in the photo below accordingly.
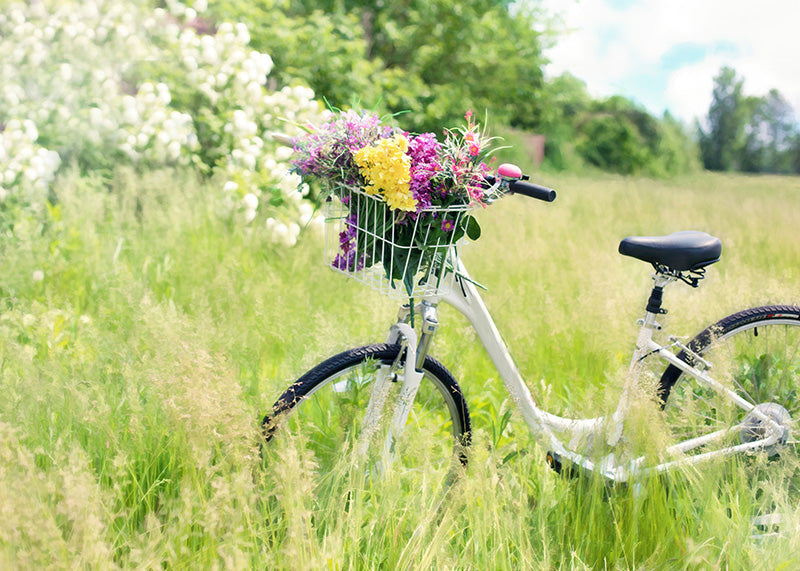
(528, 189)
(532, 190)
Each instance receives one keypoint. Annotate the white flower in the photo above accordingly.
(38, 275)
(242, 34)
(31, 132)
(249, 161)
(251, 201)
(174, 150)
(95, 116)
(66, 72)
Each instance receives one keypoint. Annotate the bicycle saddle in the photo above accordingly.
(680, 251)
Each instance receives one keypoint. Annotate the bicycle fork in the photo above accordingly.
(415, 352)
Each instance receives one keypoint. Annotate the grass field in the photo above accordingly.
(135, 373)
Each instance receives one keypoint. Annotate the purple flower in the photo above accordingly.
(348, 263)
(346, 258)
(424, 153)
(344, 262)
(327, 153)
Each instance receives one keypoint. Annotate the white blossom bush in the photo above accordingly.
(26, 169)
(64, 66)
(230, 79)
(109, 82)
(150, 131)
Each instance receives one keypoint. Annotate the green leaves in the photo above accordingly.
(473, 229)
(435, 59)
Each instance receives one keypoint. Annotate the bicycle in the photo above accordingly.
(731, 390)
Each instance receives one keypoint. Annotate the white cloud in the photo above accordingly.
(611, 48)
(688, 92)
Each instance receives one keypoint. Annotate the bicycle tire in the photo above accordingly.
(756, 353)
(324, 409)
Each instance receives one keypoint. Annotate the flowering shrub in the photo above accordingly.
(151, 133)
(25, 167)
(406, 195)
(108, 82)
(221, 83)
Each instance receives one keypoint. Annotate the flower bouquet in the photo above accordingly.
(399, 201)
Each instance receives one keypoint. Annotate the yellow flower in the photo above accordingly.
(387, 169)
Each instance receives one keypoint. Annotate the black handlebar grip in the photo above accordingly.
(532, 190)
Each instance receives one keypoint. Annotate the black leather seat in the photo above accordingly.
(680, 251)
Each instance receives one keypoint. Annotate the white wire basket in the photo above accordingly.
(395, 253)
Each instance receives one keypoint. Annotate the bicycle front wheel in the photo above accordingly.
(756, 354)
(325, 411)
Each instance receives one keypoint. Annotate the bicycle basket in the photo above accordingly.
(399, 254)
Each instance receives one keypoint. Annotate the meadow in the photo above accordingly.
(144, 337)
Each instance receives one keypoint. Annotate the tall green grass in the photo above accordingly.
(135, 374)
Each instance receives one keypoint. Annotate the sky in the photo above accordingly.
(664, 54)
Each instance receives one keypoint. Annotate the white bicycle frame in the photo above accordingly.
(462, 294)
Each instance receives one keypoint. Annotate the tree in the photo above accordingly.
(564, 101)
(793, 154)
(320, 47)
(433, 59)
(769, 135)
(722, 141)
(677, 150)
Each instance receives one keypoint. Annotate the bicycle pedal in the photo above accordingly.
(554, 461)
(565, 467)
(562, 466)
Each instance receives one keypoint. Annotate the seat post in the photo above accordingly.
(654, 303)
(653, 308)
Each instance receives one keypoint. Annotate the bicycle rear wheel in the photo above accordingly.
(755, 353)
(325, 410)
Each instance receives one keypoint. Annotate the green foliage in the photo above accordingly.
(613, 134)
(752, 134)
(618, 136)
(565, 101)
(433, 59)
(721, 141)
(677, 151)
(314, 45)
(612, 142)
(769, 135)
(472, 55)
